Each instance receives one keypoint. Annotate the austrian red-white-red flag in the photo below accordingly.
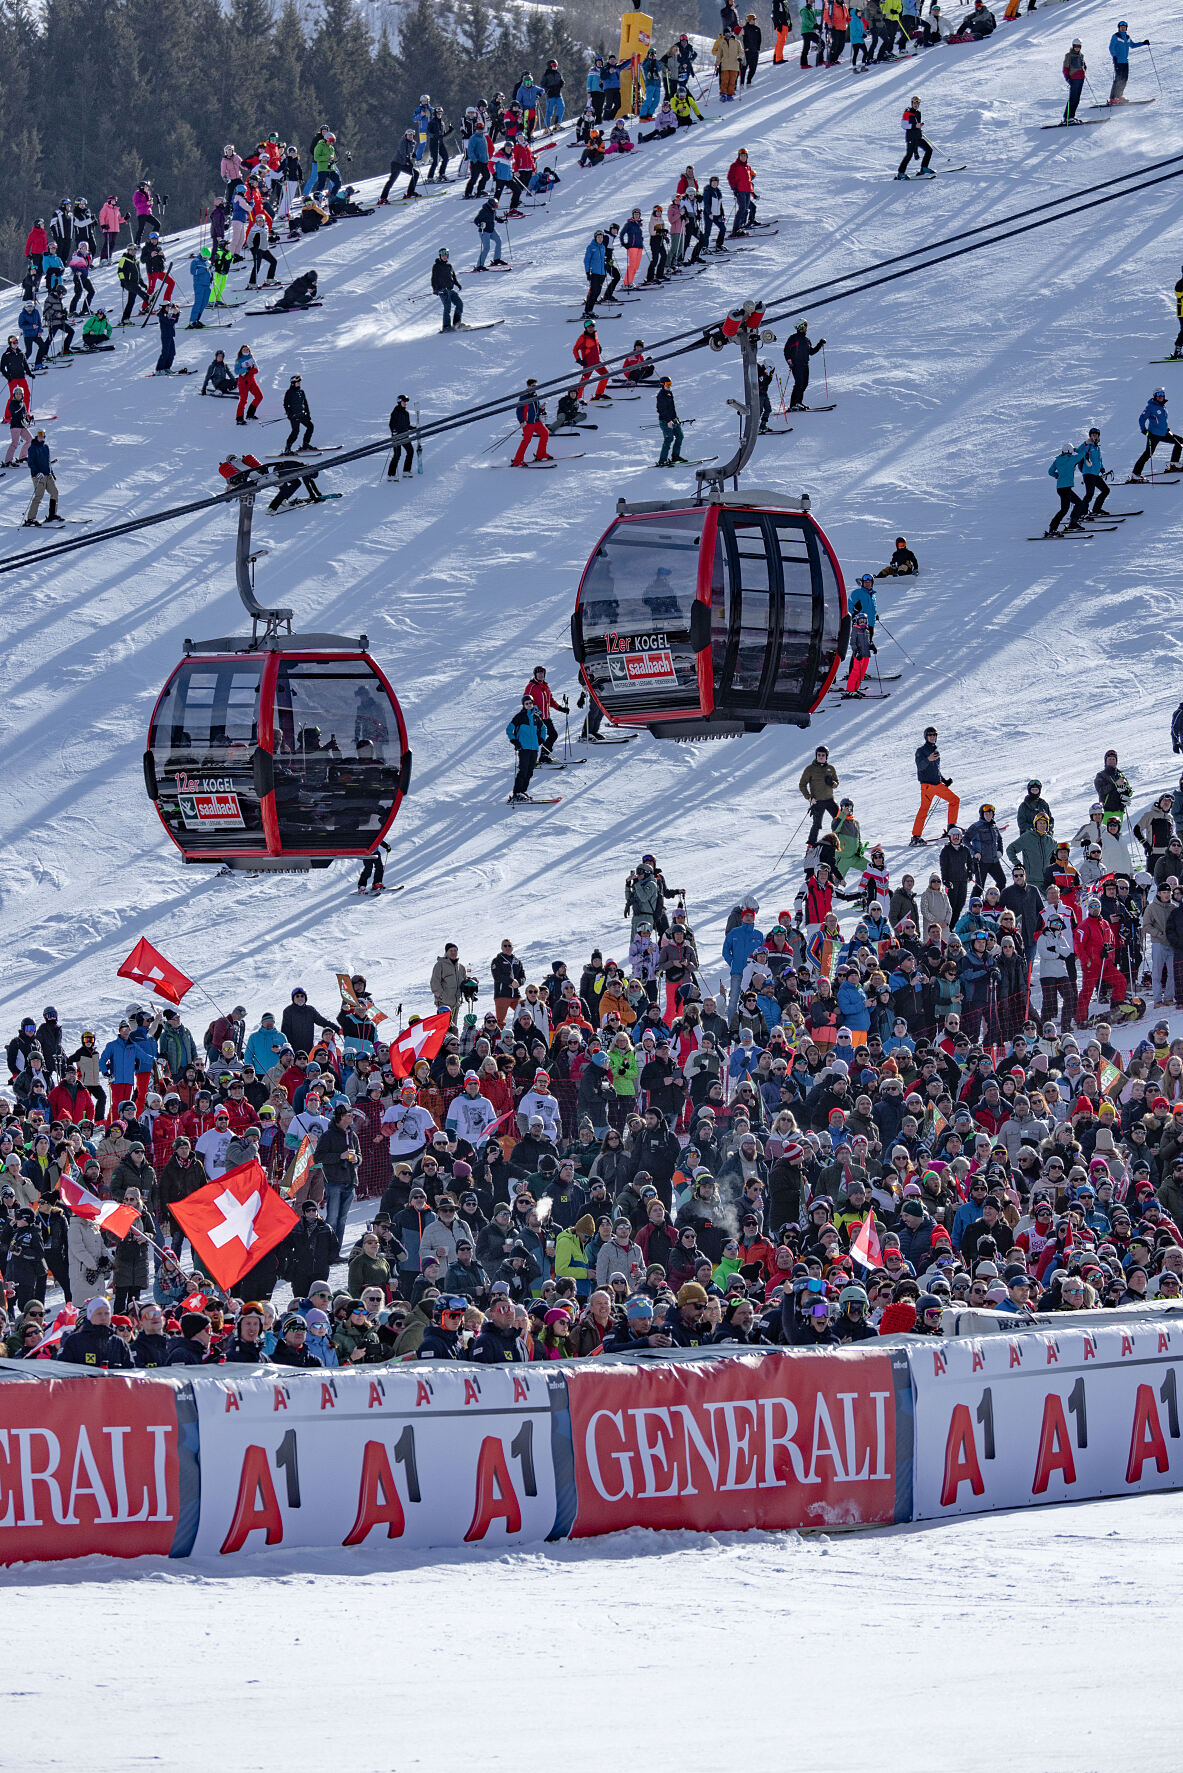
(108, 1215)
(233, 1222)
(865, 1248)
(147, 966)
(422, 1040)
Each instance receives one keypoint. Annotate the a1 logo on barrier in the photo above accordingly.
(1046, 1416)
(423, 1455)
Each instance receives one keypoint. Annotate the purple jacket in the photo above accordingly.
(141, 203)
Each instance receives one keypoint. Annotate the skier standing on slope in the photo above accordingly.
(915, 143)
(221, 263)
(524, 733)
(43, 482)
(446, 285)
(1120, 45)
(933, 786)
(130, 281)
(1075, 72)
(1063, 470)
(405, 156)
(531, 416)
(1177, 348)
(586, 352)
(250, 395)
(404, 449)
(168, 317)
(295, 405)
(595, 266)
(1155, 427)
(1092, 468)
(202, 277)
(544, 699)
(672, 435)
(861, 648)
(798, 351)
(486, 220)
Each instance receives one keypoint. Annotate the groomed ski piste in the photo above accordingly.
(1045, 1634)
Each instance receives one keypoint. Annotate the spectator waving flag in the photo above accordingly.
(234, 1221)
(422, 1040)
(65, 1321)
(108, 1215)
(147, 966)
(865, 1247)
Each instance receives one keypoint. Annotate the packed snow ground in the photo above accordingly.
(1039, 1636)
(954, 388)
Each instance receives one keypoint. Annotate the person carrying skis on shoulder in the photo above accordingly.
(586, 352)
(1063, 471)
(915, 143)
(1156, 428)
(531, 416)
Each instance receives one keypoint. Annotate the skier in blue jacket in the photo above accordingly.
(29, 321)
(203, 278)
(1092, 468)
(739, 947)
(1063, 470)
(1120, 45)
(526, 733)
(595, 266)
(1156, 428)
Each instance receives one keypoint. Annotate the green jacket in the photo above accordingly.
(808, 20)
(1035, 852)
(368, 1271)
(97, 327)
(324, 155)
(570, 1256)
(850, 852)
(346, 1339)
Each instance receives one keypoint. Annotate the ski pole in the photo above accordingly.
(1153, 64)
(1096, 100)
(882, 624)
(785, 851)
(825, 372)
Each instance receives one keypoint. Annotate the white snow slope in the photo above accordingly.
(1042, 1638)
(954, 390)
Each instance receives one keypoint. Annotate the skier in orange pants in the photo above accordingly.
(530, 416)
(933, 786)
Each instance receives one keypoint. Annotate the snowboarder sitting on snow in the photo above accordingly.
(976, 24)
(902, 563)
(300, 293)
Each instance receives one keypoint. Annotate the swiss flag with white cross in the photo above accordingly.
(233, 1222)
(422, 1040)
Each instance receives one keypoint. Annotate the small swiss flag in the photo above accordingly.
(422, 1040)
(108, 1215)
(233, 1222)
(147, 966)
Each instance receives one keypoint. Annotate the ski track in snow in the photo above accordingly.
(909, 1650)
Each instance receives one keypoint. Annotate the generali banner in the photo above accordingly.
(797, 1439)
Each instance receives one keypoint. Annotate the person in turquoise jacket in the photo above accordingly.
(739, 947)
(1156, 428)
(852, 1007)
(1092, 469)
(1063, 472)
(264, 1045)
(526, 732)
